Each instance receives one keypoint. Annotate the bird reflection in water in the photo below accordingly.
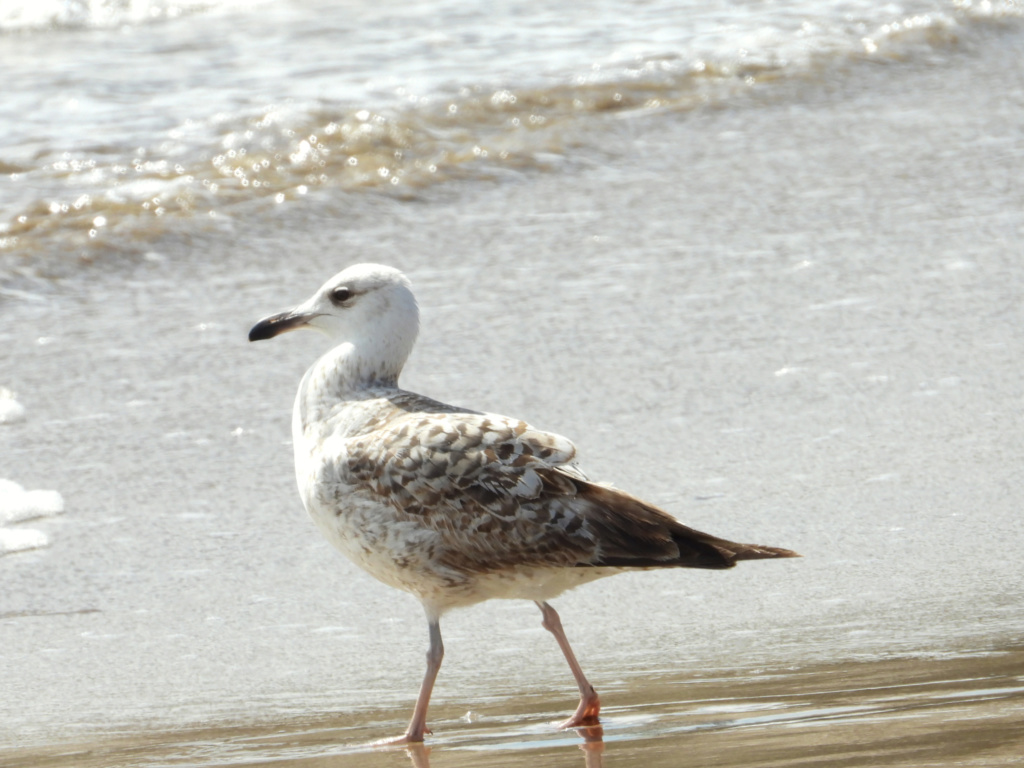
(592, 746)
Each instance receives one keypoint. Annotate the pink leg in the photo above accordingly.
(587, 712)
(418, 725)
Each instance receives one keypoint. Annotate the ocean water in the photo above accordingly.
(760, 261)
(126, 120)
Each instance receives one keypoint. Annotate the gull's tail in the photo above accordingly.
(735, 552)
(631, 533)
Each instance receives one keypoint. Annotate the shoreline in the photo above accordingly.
(906, 712)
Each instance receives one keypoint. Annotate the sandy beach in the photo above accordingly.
(814, 343)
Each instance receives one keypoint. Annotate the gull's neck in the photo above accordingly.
(341, 375)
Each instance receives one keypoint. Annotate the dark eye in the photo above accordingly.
(341, 295)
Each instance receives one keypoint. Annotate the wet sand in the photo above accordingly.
(795, 323)
(954, 711)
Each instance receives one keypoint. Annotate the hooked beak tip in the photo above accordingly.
(272, 326)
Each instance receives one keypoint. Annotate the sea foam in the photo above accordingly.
(17, 540)
(11, 411)
(16, 505)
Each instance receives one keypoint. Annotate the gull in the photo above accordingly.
(452, 505)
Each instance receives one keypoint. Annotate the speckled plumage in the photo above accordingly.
(453, 505)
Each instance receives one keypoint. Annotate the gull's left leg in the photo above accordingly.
(418, 725)
(587, 712)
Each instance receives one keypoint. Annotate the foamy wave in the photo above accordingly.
(22, 15)
(102, 204)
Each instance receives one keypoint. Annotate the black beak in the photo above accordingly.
(272, 326)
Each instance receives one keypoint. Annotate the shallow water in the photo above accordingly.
(955, 710)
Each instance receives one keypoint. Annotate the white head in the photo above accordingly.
(368, 309)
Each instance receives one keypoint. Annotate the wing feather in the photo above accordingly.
(501, 494)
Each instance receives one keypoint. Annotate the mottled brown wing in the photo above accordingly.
(503, 494)
(491, 485)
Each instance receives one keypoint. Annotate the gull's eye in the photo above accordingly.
(341, 295)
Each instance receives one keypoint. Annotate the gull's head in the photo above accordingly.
(369, 308)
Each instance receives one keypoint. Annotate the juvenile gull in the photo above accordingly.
(452, 505)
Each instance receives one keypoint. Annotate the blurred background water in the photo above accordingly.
(125, 118)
